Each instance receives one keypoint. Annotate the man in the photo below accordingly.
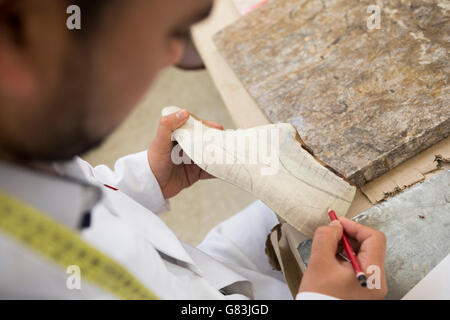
(61, 93)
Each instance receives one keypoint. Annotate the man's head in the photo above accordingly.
(63, 91)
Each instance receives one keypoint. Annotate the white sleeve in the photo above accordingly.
(313, 296)
(132, 175)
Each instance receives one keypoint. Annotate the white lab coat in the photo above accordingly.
(229, 264)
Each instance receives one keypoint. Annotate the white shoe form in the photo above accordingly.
(274, 166)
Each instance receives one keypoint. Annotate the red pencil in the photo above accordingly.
(350, 254)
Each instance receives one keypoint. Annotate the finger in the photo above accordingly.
(162, 142)
(206, 176)
(199, 172)
(213, 124)
(358, 231)
(202, 174)
(326, 240)
(372, 242)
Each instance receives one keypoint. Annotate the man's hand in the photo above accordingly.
(329, 274)
(173, 178)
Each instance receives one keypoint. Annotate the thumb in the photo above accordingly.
(326, 240)
(162, 142)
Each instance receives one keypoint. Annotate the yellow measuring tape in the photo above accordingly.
(64, 247)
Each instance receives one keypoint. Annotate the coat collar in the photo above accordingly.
(70, 199)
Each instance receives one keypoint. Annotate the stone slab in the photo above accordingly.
(417, 228)
(363, 100)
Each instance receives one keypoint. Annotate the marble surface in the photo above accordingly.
(417, 227)
(363, 100)
(416, 224)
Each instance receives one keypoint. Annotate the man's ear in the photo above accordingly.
(17, 79)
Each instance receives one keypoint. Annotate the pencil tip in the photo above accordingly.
(362, 280)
